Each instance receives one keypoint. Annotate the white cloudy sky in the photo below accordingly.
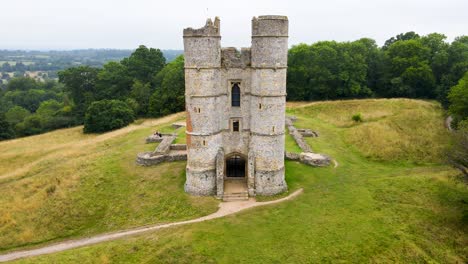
(65, 24)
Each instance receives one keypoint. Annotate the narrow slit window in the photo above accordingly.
(235, 95)
(235, 126)
(273, 129)
(199, 110)
(260, 106)
(204, 143)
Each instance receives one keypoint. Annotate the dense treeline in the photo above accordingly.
(29, 107)
(406, 66)
(141, 85)
(144, 85)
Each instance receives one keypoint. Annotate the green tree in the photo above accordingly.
(16, 115)
(457, 66)
(80, 83)
(6, 131)
(402, 36)
(141, 93)
(170, 87)
(31, 125)
(375, 63)
(439, 56)
(27, 99)
(328, 70)
(458, 98)
(113, 82)
(106, 115)
(22, 84)
(407, 71)
(144, 63)
(50, 114)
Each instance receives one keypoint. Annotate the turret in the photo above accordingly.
(203, 46)
(202, 51)
(270, 42)
(269, 53)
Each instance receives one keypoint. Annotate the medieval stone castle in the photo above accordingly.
(235, 103)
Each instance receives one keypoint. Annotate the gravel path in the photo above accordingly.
(225, 208)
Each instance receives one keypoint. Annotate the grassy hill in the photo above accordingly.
(391, 199)
(66, 184)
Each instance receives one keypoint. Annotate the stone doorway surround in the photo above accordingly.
(235, 166)
(248, 180)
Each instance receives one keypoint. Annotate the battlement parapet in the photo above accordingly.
(211, 29)
(233, 58)
(270, 26)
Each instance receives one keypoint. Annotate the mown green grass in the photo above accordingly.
(365, 210)
(88, 186)
(181, 136)
(290, 143)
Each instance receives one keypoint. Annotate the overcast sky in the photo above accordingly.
(65, 24)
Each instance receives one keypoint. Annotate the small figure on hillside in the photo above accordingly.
(157, 134)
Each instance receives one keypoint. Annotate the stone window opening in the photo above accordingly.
(199, 110)
(273, 129)
(204, 142)
(235, 95)
(260, 106)
(235, 126)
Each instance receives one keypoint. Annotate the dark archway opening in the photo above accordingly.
(235, 167)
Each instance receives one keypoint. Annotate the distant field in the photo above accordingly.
(14, 62)
(385, 203)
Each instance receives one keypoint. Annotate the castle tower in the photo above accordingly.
(202, 79)
(235, 104)
(268, 101)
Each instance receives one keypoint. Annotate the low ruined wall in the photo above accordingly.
(291, 156)
(178, 147)
(307, 156)
(149, 159)
(297, 135)
(164, 146)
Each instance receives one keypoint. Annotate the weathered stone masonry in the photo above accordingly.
(218, 128)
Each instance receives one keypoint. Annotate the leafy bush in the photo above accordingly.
(31, 125)
(106, 115)
(6, 132)
(16, 115)
(458, 97)
(357, 117)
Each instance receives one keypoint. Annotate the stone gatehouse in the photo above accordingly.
(235, 104)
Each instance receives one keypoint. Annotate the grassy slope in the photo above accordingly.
(373, 208)
(66, 184)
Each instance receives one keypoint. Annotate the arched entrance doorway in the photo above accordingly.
(235, 167)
